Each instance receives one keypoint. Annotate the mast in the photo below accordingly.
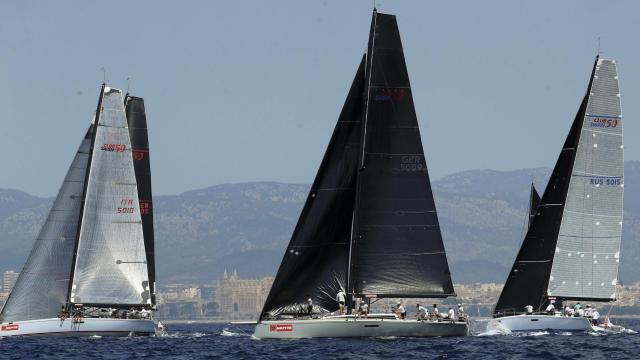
(84, 193)
(361, 163)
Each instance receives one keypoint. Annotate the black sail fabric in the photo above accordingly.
(137, 122)
(529, 276)
(397, 244)
(315, 262)
(534, 201)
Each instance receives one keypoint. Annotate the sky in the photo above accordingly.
(241, 91)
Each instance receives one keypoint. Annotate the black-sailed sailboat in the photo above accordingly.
(571, 250)
(88, 272)
(369, 225)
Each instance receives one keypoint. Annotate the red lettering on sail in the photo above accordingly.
(138, 154)
(113, 147)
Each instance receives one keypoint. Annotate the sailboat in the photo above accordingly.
(571, 251)
(89, 265)
(369, 225)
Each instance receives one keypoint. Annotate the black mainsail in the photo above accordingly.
(397, 244)
(571, 249)
(369, 225)
(137, 121)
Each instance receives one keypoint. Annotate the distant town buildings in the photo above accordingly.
(241, 298)
(9, 278)
(231, 299)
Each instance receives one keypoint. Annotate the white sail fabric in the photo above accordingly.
(110, 262)
(587, 254)
(41, 288)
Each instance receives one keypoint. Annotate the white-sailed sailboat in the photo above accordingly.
(572, 248)
(87, 273)
(369, 226)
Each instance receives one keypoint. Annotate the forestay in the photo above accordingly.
(587, 253)
(41, 288)
(110, 261)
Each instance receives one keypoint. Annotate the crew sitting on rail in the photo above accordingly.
(529, 309)
(551, 309)
(435, 314)
(421, 312)
(400, 311)
(63, 314)
(363, 309)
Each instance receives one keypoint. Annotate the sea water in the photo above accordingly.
(207, 341)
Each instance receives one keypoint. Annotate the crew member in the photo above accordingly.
(435, 313)
(421, 312)
(452, 314)
(363, 310)
(529, 309)
(551, 309)
(400, 311)
(340, 298)
(309, 306)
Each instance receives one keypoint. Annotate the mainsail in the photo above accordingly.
(571, 249)
(369, 225)
(137, 122)
(587, 254)
(41, 288)
(397, 244)
(111, 266)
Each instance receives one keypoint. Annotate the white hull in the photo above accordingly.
(541, 323)
(87, 327)
(341, 327)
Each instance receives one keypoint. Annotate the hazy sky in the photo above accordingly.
(251, 90)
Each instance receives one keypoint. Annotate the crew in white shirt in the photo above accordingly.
(340, 298)
(529, 309)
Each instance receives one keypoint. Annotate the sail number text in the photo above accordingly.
(126, 206)
(114, 147)
(411, 163)
(604, 123)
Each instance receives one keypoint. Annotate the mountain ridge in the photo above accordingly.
(246, 226)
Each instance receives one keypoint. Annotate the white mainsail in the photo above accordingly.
(587, 253)
(110, 263)
(41, 288)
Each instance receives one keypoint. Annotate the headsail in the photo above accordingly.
(315, 262)
(41, 288)
(397, 245)
(587, 254)
(534, 201)
(137, 122)
(580, 205)
(111, 265)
